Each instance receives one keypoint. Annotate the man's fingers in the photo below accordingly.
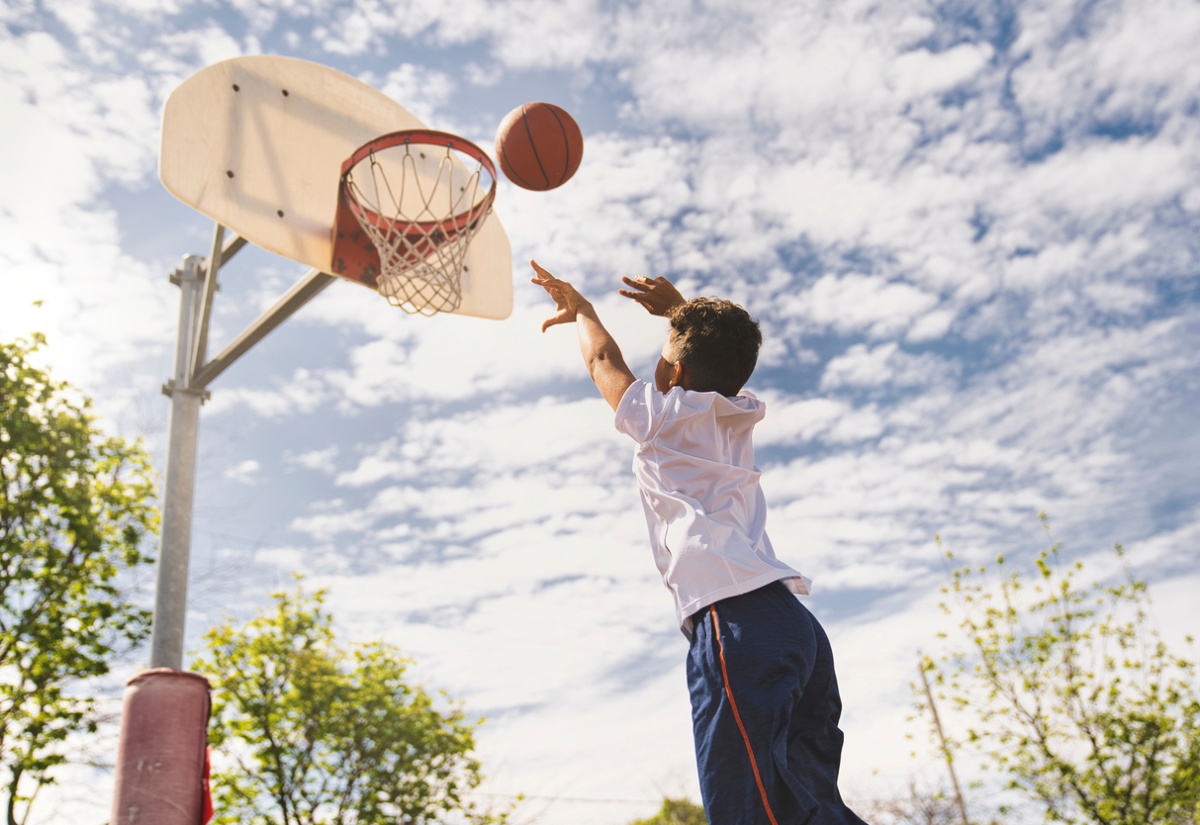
(551, 284)
(642, 298)
(553, 287)
(551, 322)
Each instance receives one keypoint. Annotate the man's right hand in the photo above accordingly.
(567, 299)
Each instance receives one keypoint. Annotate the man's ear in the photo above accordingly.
(678, 373)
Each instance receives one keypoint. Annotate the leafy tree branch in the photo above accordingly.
(1068, 692)
(319, 733)
(75, 509)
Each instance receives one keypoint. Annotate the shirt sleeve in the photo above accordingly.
(635, 412)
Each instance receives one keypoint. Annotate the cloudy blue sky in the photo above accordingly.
(969, 230)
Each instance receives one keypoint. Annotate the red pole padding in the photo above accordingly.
(161, 756)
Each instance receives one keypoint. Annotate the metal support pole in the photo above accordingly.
(160, 758)
(188, 391)
(170, 602)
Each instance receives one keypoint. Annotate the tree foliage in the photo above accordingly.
(921, 806)
(75, 507)
(1069, 692)
(676, 812)
(317, 733)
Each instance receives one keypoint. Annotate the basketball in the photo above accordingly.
(539, 146)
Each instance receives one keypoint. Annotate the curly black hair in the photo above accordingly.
(718, 342)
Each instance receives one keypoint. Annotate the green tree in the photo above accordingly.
(320, 734)
(1069, 693)
(676, 812)
(921, 806)
(75, 507)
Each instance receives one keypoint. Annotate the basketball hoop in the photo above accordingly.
(418, 196)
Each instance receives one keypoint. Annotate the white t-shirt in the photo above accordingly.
(705, 510)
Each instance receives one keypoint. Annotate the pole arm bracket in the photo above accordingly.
(170, 388)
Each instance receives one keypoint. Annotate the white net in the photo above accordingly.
(420, 205)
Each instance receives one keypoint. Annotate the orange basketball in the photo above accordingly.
(539, 146)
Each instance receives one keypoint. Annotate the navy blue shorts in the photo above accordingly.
(765, 710)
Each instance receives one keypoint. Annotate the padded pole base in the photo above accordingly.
(161, 756)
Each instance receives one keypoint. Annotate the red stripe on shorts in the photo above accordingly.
(762, 791)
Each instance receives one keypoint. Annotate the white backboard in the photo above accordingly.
(257, 143)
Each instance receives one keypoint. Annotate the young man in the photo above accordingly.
(765, 704)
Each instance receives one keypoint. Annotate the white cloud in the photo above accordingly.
(537, 34)
(79, 15)
(320, 460)
(420, 90)
(44, 94)
(1102, 180)
(920, 72)
(185, 51)
(882, 366)
(931, 326)
(244, 473)
(287, 559)
(829, 204)
(791, 421)
(101, 307)
(264, 15)
(17, 10)
(304, 392)
(866, 304)
(456, 480)
(1122, 60)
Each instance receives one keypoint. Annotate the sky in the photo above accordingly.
(968, 230)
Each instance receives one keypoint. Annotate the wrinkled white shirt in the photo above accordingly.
(705, 510)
